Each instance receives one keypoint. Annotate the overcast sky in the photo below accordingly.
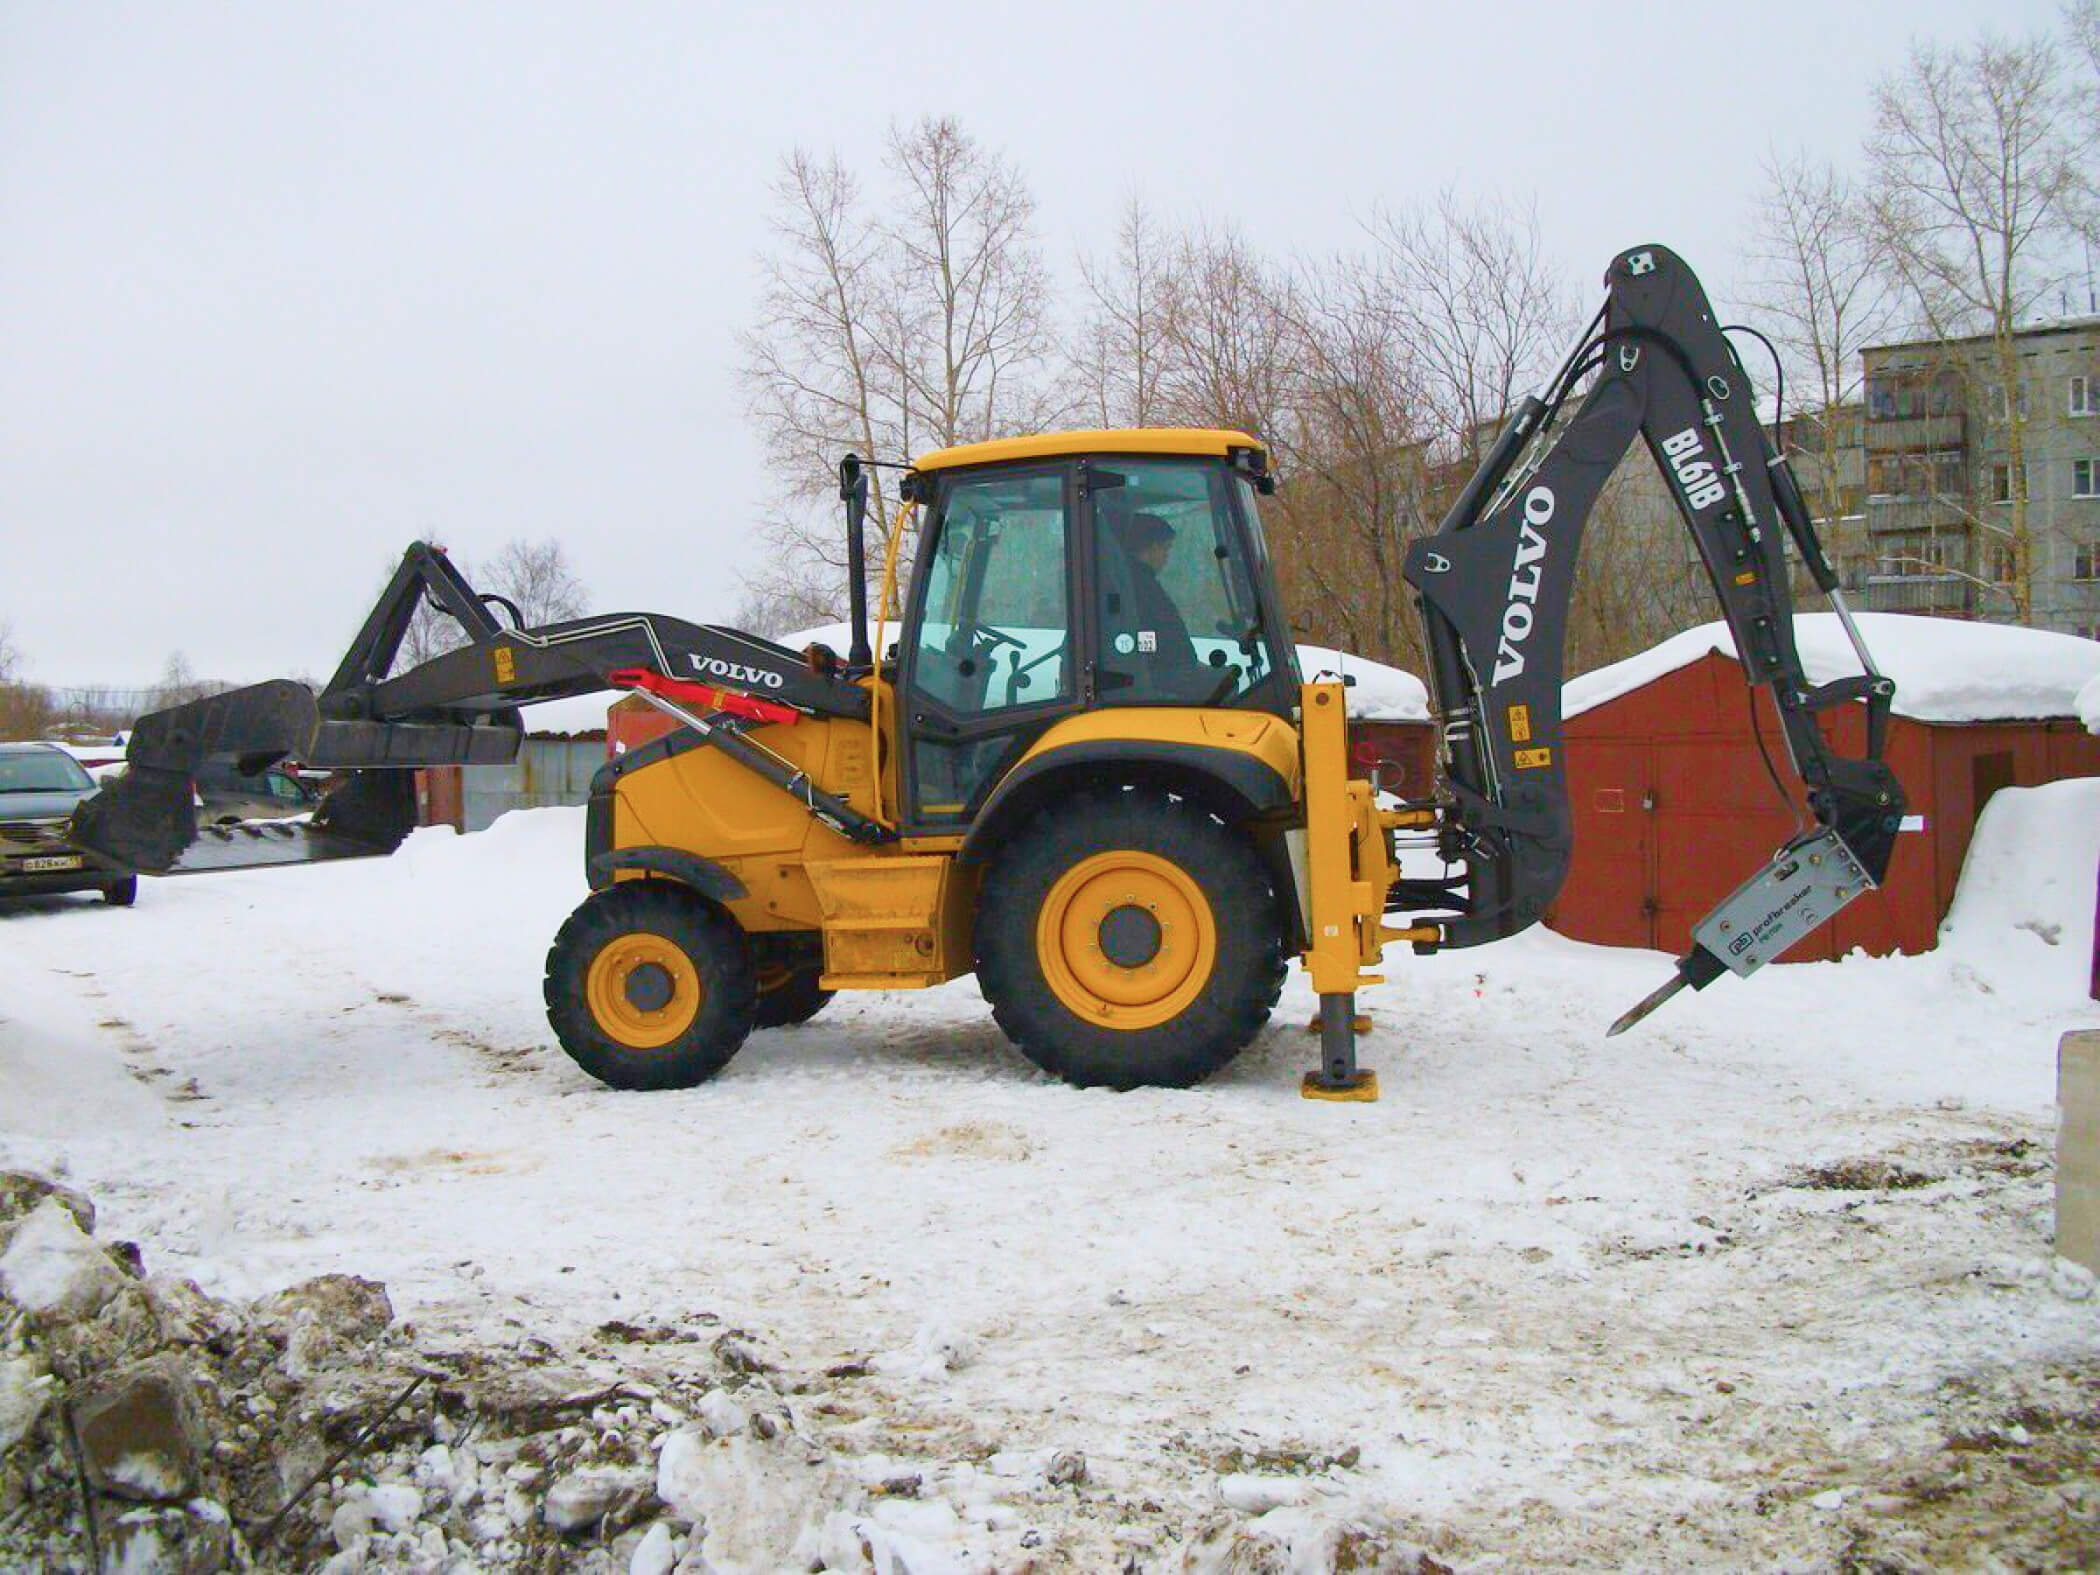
(283, 286)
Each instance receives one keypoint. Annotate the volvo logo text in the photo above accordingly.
(736, 672)
(1518, 613)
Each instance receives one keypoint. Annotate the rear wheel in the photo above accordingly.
(1129, 940)
(121, 893)
(650, 986)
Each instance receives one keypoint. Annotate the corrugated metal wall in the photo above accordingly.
(548, 771)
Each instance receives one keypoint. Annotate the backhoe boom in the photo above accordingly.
(1495, 581)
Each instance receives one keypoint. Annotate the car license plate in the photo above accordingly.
(51, 861)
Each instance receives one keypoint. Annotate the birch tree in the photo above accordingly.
(1127, 335)
(1975, 175)
(886, 333)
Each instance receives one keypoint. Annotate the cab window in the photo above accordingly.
(1179, 620)
(994, 632)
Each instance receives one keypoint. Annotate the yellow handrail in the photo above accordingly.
(876, 687)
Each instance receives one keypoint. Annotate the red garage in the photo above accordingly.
(1673, 806)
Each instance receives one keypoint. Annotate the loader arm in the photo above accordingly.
(1494, 584)
(457, 708)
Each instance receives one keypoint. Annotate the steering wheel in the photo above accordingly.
(996, 636)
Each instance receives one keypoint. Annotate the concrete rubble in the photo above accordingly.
(151, 1429)
(154, 1428)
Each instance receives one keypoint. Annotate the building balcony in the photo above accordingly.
(1936, 516)
(1917, 434)
(1918, 593)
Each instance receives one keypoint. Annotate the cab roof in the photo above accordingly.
(1203, 442)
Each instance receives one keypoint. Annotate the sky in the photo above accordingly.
(285, 287)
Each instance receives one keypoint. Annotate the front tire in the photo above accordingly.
(1129, 940)
(650, 986)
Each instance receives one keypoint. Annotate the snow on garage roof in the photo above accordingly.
(1945, 670)
(1380, 693)
(2089, 705)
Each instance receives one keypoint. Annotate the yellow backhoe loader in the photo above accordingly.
(1083, 764)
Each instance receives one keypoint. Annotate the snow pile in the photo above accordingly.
(2027, 880)
(1945, 670)
(2089, 705)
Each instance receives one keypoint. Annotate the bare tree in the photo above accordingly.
(179, 683)
(889, 335)
(1230, 359)
(1356, 485)
(1481, 312)
(1403, 364)
(972, 293)
(1975, 175)
(536, 577)
(1819, 281)
(25, 708)
(821, 379)
(1126, 336)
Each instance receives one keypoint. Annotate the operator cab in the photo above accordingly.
(1081, 571)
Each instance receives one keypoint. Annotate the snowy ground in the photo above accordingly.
(1767, 1280)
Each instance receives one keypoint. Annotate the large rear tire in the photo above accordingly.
(650, 986)
(1129, 940)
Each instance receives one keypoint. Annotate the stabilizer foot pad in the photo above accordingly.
(1362, 1089)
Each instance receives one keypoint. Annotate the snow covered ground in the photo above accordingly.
(1732, 1288)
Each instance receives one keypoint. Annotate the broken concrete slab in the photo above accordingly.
(53, 1270)
(581, 1499)
(21, 1191)
(140, 1434)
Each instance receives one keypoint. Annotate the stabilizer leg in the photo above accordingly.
(1339, 1076)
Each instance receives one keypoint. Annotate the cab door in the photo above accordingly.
(989, 660)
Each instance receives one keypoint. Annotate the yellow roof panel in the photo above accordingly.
(1203, 441)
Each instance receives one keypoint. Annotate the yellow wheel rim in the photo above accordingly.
(629, 976)
(1126, 940)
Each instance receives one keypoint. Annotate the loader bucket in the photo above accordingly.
(146, 820)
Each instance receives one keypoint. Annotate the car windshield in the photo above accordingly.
(42, 771)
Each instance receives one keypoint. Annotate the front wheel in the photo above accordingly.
(650, 986)
(1129, 940)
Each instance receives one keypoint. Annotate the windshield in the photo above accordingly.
(42, 771)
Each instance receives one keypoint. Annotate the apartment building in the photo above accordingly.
(1937, 453)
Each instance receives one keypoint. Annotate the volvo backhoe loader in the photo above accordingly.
(1088, 769)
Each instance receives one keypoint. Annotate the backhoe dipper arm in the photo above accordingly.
(1495, 582)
